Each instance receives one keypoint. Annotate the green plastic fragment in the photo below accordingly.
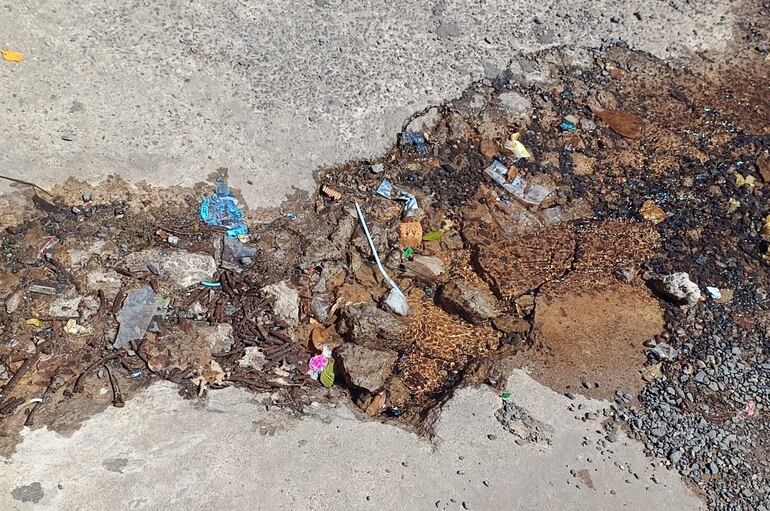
(506, 395)
(408, 252)
(433, 235)
(327, 375)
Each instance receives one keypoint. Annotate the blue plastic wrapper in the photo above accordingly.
(221, 209)
(567, 126)
(387, 190)
(416, 139)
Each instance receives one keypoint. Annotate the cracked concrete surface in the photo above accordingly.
(166, 93)
(164, 453)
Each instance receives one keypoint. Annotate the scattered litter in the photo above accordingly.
(410, 233)
(42, 289)
(222, 210)
(137, 373)
(139, 307)
(415, 139)
(327, 375)
(567, 126)
(172, 240)
(623, 123)
(529, 192)
(396, 299)
(48, 242)
(714, 292)
(433, 235)
(291, 215)
(73, 328)
(206, 283)
(12, 55)
(396, 302)
(378, 168)
(331, 192)
(515, 146)
(318, 363)
(407, 253)
(387, 190)
(34, 322)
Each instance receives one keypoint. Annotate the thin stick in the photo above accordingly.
(22, 182)
(19, 374)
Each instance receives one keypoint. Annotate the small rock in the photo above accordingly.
(364, 324)
(173, 240)
(86, 197)
(219, 337)
(470, 302)
(511, 324)
(154, 267)
(76, 210)
(652, 212)
(515, 103)
(678, 288)
(285, 301)
(664, 351)
(246, 261)
(13, 301)
(427, 268)
(65, 307)
(378, 168)
(253, 358)
(178, 267)
(30, 493)
(363, 367)
(425, 122)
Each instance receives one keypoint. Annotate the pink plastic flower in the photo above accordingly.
(317, 363)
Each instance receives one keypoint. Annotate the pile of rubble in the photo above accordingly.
(537, 223)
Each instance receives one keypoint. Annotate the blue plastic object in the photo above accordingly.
(567, 126)
(221, 209)
(416, 139)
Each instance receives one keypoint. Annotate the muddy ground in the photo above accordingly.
(636, 170)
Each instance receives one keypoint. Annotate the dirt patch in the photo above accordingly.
(595, 337)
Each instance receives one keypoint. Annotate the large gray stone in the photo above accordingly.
(363, 367)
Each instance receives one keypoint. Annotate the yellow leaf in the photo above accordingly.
(12, 56)
(34, 322)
